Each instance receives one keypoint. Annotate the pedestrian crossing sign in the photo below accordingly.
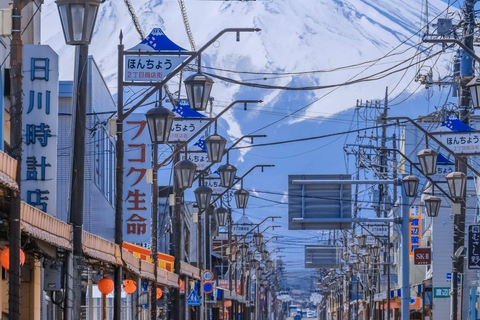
(193, 298)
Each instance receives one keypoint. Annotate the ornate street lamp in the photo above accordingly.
(258, 238)
(159, 120)
(428, 161)
(222, 214)
(357, 264)
(348, 273)
(215, 145)
(265, 255)
(410, 185)
(346, 256)
(78, 20)
(198, 87)
(243, 250)
(354, 248)
(241, 198)
(185, 173)
(457, 184)
(432, 205)
(474, 86)
(269, 264)
(227, 175)
(362, 240)
(203, 196)
(375, 250)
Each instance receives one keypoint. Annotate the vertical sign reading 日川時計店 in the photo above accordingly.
(40, 127)
(137, 192)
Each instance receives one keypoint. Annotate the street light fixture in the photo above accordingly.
(428, 161)
(265, 255)
(474, 86)
(203, 196)
(269, 264)
(241, 198)
(227, 175)
(215, 145)
(159, 120)
(198, 87)
(258, 238)
(354, 248)
(222, 214)
(362, 240)
(185, 173)
(375, 250)
(346, 256)
(243, 250)
(457, 183)
(410, 184)
(432, 205)
(78, 20)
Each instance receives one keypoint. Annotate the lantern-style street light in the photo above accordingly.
(474, 86)
(159, 120)
(203, 196)
(227, 175)
(457, 183)
(428, 161)
(215, 145)
(198, 87)
(258, 238)
(375, 250)
(410, 184)
(222, 214)
(185, 173)
(354, 248)
(241, 198)
(78, 20)
(362, 240)
(432, 205)
(243, 250)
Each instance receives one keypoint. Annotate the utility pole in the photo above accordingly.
(16, 57)
(466, 74)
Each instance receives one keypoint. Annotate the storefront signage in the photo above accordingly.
(441, 292)
(152, 68)
(461, 142)
(40, 127)
(415, 228)
(137, 192)
(474, 247)
(422, 256)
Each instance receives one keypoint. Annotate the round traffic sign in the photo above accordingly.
(207, 275)
(207, 287)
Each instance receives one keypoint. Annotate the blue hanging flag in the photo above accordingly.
(455, 125)
(201, 144)
(183, 109)
(157, 41)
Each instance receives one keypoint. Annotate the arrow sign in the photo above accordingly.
(193, 299)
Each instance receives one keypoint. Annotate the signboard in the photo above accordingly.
(184, 128)
(461, 142)
(322, 256)
(474, 247)
(441, 292)
(136, 191)
(153, 68)
(223, 283)
(415, 228)
(319, 201)
(422, 256)
(40, 127)
(207, 287)
(376, 230)
(193, 299)
(199, 158)
(207, 275)
(214, 184)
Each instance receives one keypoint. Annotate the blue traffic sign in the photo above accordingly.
(207, 287)
(193, 298)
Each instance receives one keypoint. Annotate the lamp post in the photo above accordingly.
(78, 21)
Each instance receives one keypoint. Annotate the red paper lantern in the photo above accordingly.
(105, 285)
(159, 293)
(5, 257)
(129, 286)
(227, 303)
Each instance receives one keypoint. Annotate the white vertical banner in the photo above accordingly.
(40, 127)
(137, 193)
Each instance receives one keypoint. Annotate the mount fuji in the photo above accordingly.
(309, 44)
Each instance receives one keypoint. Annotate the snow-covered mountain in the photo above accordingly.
(314, 39)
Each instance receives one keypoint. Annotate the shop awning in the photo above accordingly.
(8, 171)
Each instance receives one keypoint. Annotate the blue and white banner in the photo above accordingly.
(459, 137)
(40, 127)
